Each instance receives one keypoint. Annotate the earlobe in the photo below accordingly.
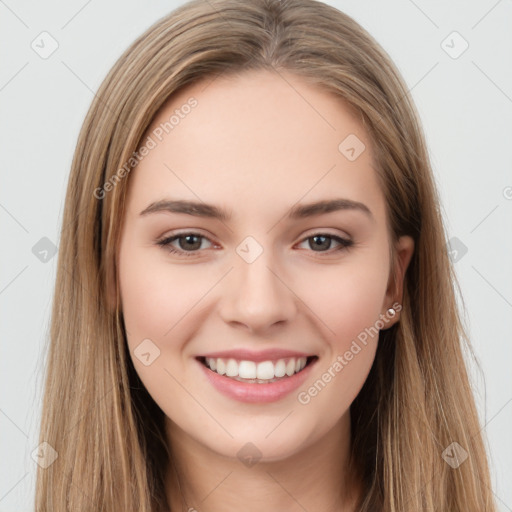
(404, 250)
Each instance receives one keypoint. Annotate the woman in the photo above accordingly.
(254, 304)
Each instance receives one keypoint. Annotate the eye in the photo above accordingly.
(324, 240)
(190, 243)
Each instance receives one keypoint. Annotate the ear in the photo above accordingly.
(404, 250)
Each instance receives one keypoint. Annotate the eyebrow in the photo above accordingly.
(200, 209)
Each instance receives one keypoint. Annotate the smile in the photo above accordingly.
(266, 381)
(256, 372)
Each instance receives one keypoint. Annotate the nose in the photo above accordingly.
(257, 296)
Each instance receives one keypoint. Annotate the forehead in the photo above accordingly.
(256, 139)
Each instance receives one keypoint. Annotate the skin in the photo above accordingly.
(256, 145)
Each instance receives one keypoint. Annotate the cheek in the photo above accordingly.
(144, 300)
(155, 302)
(154, 297)
(349, 308)
(348, 299)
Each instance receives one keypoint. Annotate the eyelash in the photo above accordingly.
(165, 243)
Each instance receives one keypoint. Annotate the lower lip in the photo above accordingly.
(254, 392)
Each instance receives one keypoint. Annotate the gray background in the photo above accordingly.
(465, 103)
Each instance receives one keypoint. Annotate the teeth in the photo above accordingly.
(263, 371)
(280, 368)
(231, 368)
(221, 365)
(248, 370)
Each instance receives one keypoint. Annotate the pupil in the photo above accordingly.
(326, 243)
(188, 238)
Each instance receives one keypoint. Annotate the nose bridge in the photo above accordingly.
(256, 296)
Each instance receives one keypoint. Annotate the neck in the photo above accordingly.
(314, 478)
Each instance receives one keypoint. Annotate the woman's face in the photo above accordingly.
(272, 281)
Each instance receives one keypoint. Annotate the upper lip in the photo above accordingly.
(249, 355)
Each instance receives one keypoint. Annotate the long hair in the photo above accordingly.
(105, 428)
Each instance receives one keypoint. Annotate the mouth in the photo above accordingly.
(252, 372)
